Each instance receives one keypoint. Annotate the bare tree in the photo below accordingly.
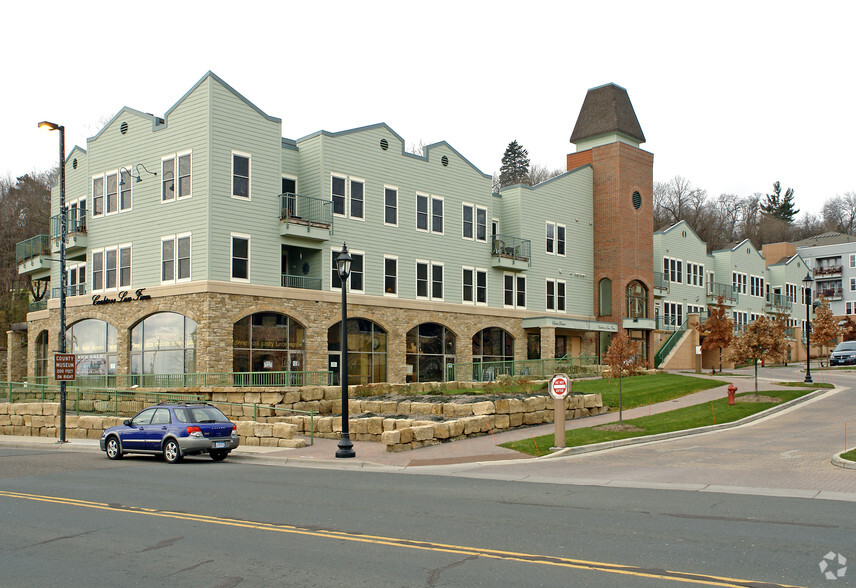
(718, 329)
(839, 213)
(761, 341)
(621, 357)
(540, 173)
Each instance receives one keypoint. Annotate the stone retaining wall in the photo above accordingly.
(32, 419)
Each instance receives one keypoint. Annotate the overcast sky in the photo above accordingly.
(730, 95)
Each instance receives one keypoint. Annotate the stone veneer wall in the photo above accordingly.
(216, 312)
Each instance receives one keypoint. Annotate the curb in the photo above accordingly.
(583, 449)
(843, 463)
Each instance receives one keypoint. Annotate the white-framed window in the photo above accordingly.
(695, 274)
(555, 235)
(474, 285)
(111, 268)
(791, 292)
(695, 309)
(673, 269)
(176, 176)
(848, 308)
(429, 213)
(108, 197)
(738, 282)
(853, 284)
(390, 206)
(175, 258)
(556, 295)
(390, 275)
(240, 256)
(429, 280)
(474, 222)
(514, 290)
(356, 278)
(76, 281)
(494, 227)
(348, 195)
(853, 260)
(241, 173)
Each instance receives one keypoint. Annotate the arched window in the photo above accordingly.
(42, 355)
(604, 290)
(493, 344)
(164, 343)
(268, 342)
(430, 346)
(637, 300)
(94, 343)
(366, 351)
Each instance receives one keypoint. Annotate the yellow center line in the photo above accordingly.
(596, 566)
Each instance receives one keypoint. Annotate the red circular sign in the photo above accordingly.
(559, 386)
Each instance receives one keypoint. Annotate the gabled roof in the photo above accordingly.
(607, 109)
(237, 94)
(427, 149)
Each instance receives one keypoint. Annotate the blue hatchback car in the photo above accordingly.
(173, 430)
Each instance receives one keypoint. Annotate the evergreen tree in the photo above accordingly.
(515, 165)
(778, 206)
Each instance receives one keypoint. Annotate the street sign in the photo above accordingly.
(64, 367)
(559, 386)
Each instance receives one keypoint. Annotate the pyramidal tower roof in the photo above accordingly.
(607, 109)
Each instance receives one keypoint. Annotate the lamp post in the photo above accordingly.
(807, 295)
(343, 267)
(62, 277)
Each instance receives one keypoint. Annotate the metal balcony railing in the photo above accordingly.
(75, 222)
(829, 293)
(70, 290)
(827, 270)
(304, 282)
(32, 247)
(306, 210)
(510, 247)
(661, 282)
(716, 289)
(779, 301)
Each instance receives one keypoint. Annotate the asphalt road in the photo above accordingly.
(78, 519)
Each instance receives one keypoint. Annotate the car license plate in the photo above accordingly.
(219, 444)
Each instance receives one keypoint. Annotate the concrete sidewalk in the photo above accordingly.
(477, 449)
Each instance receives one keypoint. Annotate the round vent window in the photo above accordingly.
(384, 144)
(637, 200)
(444, 160)
(123, 128)
(74, 163)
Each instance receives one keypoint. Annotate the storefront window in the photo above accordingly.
(268, 342)
(164, 343)
(430, 347)
(94, 343)
(493, 344)
(366, 351)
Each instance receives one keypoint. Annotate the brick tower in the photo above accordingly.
(607, 136)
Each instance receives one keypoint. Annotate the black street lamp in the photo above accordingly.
(62, 277)
(343, 267)
(807, 295)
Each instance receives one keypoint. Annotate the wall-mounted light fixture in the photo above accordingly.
(136, 177)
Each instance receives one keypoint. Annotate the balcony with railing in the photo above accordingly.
(829, 292)
(778, 302)
(827, 267)
(33, 256)
(726, 291)
(305, 217)
(75, 232)
(303, 282)
(511, 252)
(661, 284)
(70, 290)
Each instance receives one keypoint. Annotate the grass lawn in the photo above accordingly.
(643, 390)
(850, 455)
(814, 386)
(691, 417)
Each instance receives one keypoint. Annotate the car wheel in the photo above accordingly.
(219, 455)
(171, 451)
(113, 448)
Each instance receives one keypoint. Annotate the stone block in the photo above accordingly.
(472, 426)
(359, 426)
(268, 442)
(404, 407)
(263, 430)
(417, 408)
(403, 423)
(390, 437)
(326, 406)
(264, 411)
(400, 447)
(483, 408)
(501, 406)
(406, 435)
(372, 406)
(375, 425)
(456, 428)
(389, 424)
(16, 420)
(93, 434)
(388, 407)
(441, 431)
(502, 421)
(250, 441)
(292, 443)
(463, 410)
(533, 418)
(603, 410)
(515, 405)
(284, 430)
(515, 419)
(271, 397)
(332, 393)
(69, 433)
(355, 406)
(534, 403)
(245, 428)
(291, 397)
(252, 398)
(324, 424)
(308, 393)
(5, 421)
(50, 408)
(591, 400)
(4, 408)
(38, 421)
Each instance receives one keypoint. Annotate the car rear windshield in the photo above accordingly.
(200, 414)
(846, 346)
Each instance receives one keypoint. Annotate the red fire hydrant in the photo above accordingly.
(732, 389)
